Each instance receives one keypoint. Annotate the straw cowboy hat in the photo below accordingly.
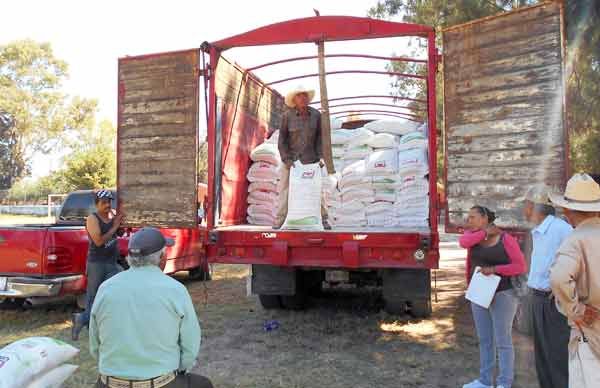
(582, 194)
(538, 194)
(289, 98)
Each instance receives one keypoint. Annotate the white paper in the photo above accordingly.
(482, 288)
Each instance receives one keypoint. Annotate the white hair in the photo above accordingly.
(140, 261)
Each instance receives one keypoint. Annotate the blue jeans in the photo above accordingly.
(494, 329)
(97, 273)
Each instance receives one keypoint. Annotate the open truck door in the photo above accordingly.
(504, 111)
(157, 139)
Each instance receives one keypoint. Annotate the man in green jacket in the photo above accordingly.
(144, 331)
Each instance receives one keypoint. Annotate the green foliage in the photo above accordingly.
(30, 82)
(89, 169)
(203, 163)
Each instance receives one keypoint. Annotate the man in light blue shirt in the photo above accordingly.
(550, 328)
(144, 331)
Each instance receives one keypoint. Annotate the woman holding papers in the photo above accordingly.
(494, 253)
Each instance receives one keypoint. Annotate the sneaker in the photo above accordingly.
(476, 384)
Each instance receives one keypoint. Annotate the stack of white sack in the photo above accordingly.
(350, 146)
(412, 200)
(382, 168)
(393, 127)
(332, 195)
(36, 362)
(356, 192)
(263, 198)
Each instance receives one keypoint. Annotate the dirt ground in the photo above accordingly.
(342, 340)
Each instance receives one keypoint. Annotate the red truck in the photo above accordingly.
(504, 128)
(45, 262)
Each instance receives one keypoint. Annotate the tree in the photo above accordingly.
(44, 117)
(93, 168)
(203, 163)
(583, 60)
(9, 165)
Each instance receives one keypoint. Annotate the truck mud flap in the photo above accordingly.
(273, 280)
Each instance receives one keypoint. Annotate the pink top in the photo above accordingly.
(517, 264)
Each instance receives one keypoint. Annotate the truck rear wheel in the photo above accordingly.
(12, 303)
(270, 302)
(407, 287)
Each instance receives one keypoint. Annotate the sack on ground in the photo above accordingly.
(304, 198)
(395, 127)
(22, 360)
(54, 378)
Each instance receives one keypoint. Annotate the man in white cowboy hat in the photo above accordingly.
(299, 140)
(575, 278)
(550, 328)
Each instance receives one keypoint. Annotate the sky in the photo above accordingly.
(91, 35)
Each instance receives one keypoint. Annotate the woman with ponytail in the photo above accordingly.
(495, 252)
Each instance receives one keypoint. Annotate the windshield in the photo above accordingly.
(78, 206)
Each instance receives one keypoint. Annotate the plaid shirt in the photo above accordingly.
(300, 136)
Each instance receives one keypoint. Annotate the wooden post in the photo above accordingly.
(325, 122)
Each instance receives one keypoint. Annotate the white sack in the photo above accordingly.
(360, 137)
(263, 198)
(356, 168)
(413, 183)
(341, 136)
(54, 378)
(266, 152)
(379, 208)
(357, 152)
(304, 198)
(24, 359)
(335, 123)
(383, 140)
(395, 127)
(381, 220)
(256, 210)
(354, 186)
(388, 195)
(274, 139)
(413, 161)
(338, 151)
(364, 195)
(262, 186)
(413, 140)
(263, 172)
(384, 162)
(261, 220)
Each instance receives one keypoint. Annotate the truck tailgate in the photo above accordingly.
(332, 249)
(22, 250)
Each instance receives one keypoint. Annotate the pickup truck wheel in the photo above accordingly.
(199, 273)
(270, 302)
(12, 303)
(420, 308)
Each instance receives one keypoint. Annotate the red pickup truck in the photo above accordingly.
(48, 261)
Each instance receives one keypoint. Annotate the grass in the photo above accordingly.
(342, 340)
(10, 219)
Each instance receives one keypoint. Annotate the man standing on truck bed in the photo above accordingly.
(103, 253)
(299, 140)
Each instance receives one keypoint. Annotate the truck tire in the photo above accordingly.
(420, 308)
(407, 287)
(294, 302)
(270, 302)
(199, 273)
(12, 303)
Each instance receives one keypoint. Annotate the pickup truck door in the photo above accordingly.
(158, 139)
(504, 111)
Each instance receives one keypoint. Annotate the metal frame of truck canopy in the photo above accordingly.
(362, 248)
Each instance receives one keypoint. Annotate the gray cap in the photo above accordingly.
(537, 194)
(147, 241)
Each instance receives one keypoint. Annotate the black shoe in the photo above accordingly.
(77, 326)
(326, 225)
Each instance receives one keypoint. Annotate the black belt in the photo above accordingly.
(543, 294)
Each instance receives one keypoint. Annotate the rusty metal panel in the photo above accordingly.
(504, 111)
(157, 139)
(246, 92)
